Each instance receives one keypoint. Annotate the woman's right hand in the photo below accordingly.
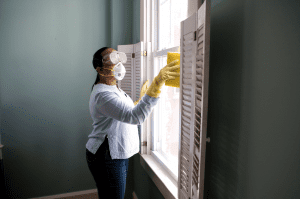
(167, 73)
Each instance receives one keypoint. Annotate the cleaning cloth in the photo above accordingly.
(171, 56)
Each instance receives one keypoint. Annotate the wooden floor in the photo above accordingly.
(83, 196)
(87, 194)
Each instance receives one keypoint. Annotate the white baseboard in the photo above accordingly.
(77, 194)
(69, 194)
(134, 195)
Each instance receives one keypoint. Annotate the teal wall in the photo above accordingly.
(122, 14)
(46, 75)
(253, 113)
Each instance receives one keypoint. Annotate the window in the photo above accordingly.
(161, 163)
(166, 18)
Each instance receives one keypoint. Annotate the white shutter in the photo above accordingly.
(187, 54)
(138, 69)
(134, 79)
(127, 82)
(139, 79)
(195, 42)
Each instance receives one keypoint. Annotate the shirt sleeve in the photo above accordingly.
(111, 105)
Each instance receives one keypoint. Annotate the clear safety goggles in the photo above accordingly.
(114, 58)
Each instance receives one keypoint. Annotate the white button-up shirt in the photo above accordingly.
(115, 115)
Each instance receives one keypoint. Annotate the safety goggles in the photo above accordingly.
(114, 58)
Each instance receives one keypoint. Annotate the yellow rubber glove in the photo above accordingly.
(143, 91)
(164, 74)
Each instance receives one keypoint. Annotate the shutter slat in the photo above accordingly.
(185, 151)
(186, 97)
(186, 132)
(186, 140)
(187, 81)
(188, 87)
(185, 118)
(199, 77)
(187, 71)
(186, 103)
(187, 76)
(199, 84)
(189, 36)
(187, 61)
(187, 68)
(199, 64)
(199, 58)
(187, 92)
(187, 114)
(199, 71)
(200, 45)
(198, 96)
(186, 124)
(199, 92)
(185, 162)
(186, 108)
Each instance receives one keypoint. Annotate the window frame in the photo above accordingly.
(147, 25)
(160, 157)
(156, 167)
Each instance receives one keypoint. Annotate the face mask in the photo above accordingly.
(118, 71)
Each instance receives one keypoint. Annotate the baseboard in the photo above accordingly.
(78, 193)
(134, 195)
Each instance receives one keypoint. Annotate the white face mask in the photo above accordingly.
(118, 71)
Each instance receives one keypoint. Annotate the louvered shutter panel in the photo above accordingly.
(139, 79)
(202, 76)
(187, 54)
(134, 79)
(195, 42)
(127, 82)
(138, 69)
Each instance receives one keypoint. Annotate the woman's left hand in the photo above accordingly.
(144, 88)
(143, 91)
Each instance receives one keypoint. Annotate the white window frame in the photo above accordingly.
(157, 169)
(155, 166)
(161, 158)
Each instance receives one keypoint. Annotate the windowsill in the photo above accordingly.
(161, 178)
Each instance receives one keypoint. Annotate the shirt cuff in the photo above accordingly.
(149, 99)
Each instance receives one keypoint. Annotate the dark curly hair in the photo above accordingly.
(97, 61)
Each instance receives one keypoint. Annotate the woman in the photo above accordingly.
(114, 138)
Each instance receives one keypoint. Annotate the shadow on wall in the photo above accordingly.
(225, 100)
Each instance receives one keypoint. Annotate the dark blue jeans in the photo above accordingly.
(109, 175)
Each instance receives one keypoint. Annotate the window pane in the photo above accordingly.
(169, 122)
(164, 24)
(179, 13)
(170, 125)
(171, 13)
